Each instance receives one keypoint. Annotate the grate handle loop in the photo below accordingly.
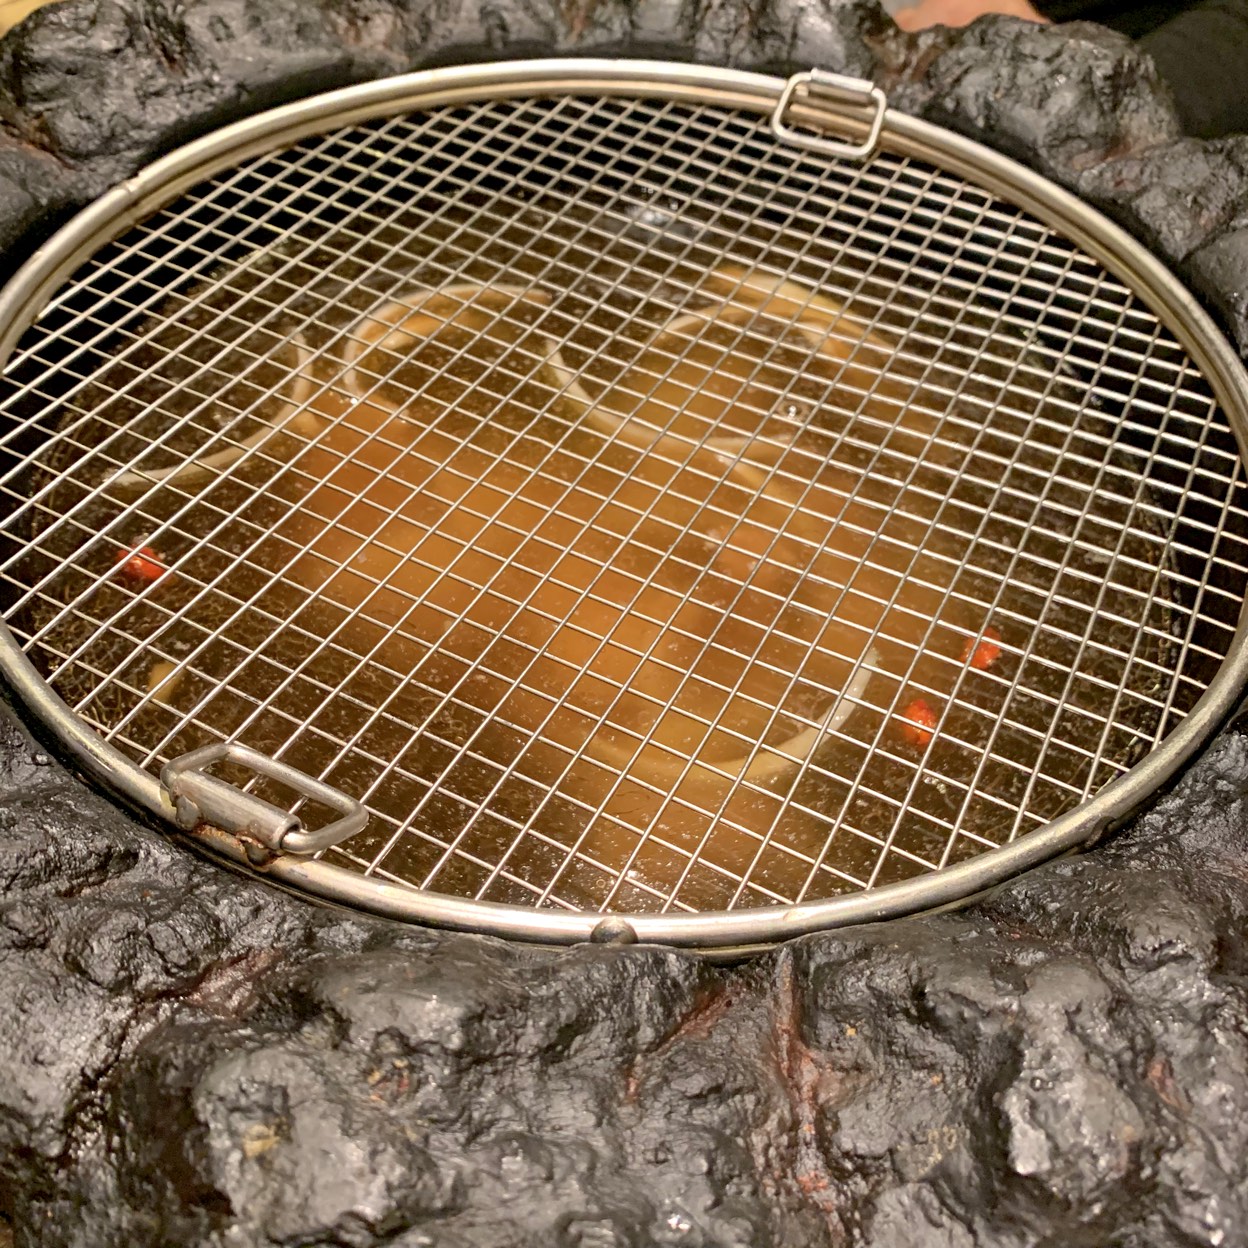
(200, 798)
(822, 86)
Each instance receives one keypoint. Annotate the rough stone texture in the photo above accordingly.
(191, 1059)
(1178, 194)
(1219, 271)
(1062, 99)
(194, 1060)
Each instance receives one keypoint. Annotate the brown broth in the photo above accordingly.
(391, 593)
(744, 459)
(646, 611)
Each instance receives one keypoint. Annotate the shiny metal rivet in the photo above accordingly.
(614, 931)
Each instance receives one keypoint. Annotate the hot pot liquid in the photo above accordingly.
(656, 588)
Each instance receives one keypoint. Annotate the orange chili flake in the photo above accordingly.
(983, 654)
(141, 564)
(918, 722)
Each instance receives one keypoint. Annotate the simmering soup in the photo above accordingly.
(668, 594)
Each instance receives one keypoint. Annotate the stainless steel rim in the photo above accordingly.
(25, 297)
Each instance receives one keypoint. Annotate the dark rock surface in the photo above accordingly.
(1219, 271)
(1062, 99)
(190, 1059)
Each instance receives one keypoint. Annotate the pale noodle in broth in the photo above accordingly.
(676, 603)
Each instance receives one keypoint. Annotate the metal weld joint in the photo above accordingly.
(200, 798)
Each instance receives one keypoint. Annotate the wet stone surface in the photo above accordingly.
(190, 1059)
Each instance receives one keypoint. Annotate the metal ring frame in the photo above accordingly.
(27, 294)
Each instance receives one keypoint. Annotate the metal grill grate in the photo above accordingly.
(635, 513)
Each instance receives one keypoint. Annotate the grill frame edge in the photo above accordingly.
(28, 292)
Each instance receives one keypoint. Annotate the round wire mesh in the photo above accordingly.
(636, 513)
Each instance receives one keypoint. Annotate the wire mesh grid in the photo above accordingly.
(635, 513)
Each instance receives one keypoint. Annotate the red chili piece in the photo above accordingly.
(918, 722)
(141, 564)
(984, 654)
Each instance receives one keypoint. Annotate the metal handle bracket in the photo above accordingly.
(821, 85)
(202, 798)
